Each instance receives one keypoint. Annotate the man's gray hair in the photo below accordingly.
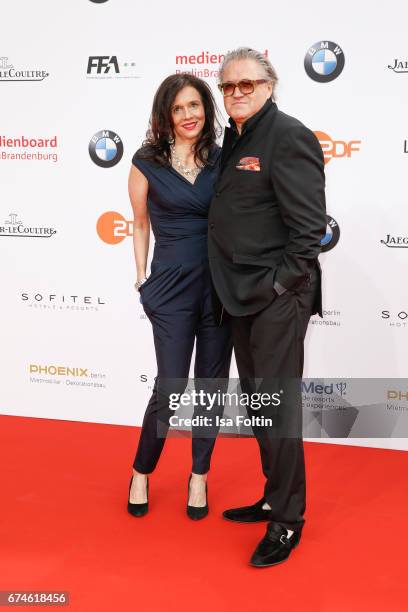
(243, 53)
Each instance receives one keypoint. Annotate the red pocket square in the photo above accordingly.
(249, 163)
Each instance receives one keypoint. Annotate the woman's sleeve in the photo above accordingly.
(140, 165)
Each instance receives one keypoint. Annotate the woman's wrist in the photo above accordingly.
(140, 282)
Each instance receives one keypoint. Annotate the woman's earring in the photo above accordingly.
(170, 140)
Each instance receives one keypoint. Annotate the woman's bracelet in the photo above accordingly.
(139, 283)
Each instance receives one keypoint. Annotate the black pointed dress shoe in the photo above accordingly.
(248, 514)
(138, 509)
(194, 512)
(275, 547)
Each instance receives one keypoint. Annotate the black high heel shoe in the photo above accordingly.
(194, 512)
(138, 509)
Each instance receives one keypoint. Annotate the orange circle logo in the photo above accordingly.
(327, 145)
(112, 227)
(336, 148)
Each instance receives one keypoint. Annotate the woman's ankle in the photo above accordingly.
(198, 477)
(139, 474)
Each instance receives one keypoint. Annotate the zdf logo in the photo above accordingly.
(336, 148)
(112, 227)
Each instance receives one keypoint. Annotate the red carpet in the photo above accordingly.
(64, 526)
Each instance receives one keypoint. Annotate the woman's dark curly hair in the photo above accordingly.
(156, 147)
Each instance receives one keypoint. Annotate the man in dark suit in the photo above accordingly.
(266, 221)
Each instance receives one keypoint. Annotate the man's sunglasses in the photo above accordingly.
(246, 86)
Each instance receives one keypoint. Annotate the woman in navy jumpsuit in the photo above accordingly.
(177, 295)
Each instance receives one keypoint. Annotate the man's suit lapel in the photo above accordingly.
(231, 139)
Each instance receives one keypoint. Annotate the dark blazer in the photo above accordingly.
(266, 223)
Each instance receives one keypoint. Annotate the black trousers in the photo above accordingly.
(180, 313)
(269, 353)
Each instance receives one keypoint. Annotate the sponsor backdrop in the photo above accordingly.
(77, 80)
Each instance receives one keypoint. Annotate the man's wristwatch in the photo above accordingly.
(139, 283)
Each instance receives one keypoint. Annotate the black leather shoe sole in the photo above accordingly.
(248, 514)
(249, 521)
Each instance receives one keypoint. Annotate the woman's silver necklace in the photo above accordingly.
(189, 173)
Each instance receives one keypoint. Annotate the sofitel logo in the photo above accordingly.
(400, 66)
(14, 228)
(395, 319)
(55, 301)
(108, 67)
(395, 242)
(9, 74)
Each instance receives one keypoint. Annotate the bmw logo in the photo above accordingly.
(331, 238)
(324, 61)
(105, 148)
